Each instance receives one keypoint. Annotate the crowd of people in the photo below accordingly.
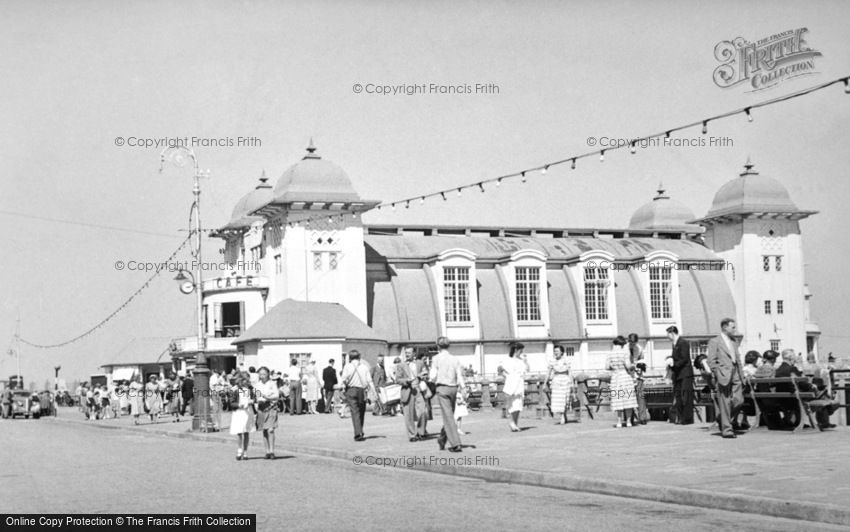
(170, 396)
(257, 397)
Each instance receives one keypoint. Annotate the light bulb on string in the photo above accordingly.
(458, 192)
(633, 149)
(847, 85)
(544, 170)
(407, 204)
(393, 206)
(573, 164)
(749, 116)
(422, 200)
(602, 156)
(481, 186)
(499, 182)
(443, 194)
(523, 177)
(666, 134)
(704, 127)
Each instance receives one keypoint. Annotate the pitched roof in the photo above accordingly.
(292, 319)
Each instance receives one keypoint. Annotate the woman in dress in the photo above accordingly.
(136, 395)
(242, 421)
(172, 396)
(622, 391)
(560, 383)
(310, 383)
(267, 394)
(461, 409)
(514, 389)
(153, 398)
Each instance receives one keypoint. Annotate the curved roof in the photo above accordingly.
(751, 192)
(412, 248)
(314, 179)
(663, 214)
(250, 202)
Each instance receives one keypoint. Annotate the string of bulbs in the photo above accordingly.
(116, 311)
(573, 159)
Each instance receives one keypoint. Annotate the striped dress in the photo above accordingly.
(623, 395)
(561, 383)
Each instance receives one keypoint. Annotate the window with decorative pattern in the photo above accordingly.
(765, 262)
(527, 293)
(317, 261)
(456, 294)
(767, 306)
(596, 285)
(777, 263)
(660, 288)
(780, 307)
(333, 260)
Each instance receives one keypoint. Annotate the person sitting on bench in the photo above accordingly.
(823, 406)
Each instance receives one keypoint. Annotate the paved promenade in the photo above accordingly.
(802, 475)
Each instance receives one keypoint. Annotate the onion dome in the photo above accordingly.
(751, 193)
(663, 214)
(314, 179)
(250, 202)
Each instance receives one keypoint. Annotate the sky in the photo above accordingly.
(76, 76)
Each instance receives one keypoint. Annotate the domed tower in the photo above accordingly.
(755, 227)
(663, 214)
(313, 238)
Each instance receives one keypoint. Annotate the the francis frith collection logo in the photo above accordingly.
(764, 63)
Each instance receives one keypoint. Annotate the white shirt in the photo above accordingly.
(514, 376)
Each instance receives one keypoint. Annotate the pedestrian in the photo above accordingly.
(412, 398)
(559, 382)
(104, 402)
(461, 410)
(311, 387)
(153, 398)
(329, 381)
(722, 358)
(136, 393)
(242, 421)
(379, 377)
(622, 389)
(515, 369)
(683, 377)
(636, 358)
(92, 405)
(171, 385)
(267, 394)
(294, 388)
(285, 393)
(187, 393)
(447, 374)
(357, 379)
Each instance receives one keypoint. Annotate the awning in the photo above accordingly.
(123, 374)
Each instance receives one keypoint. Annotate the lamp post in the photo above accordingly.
(201, 419)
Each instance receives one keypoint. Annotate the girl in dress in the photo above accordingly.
(242, 422)
(461, 410)
(622, 389)
(560, 383)
(172, 396)
(514, 389)
(267, 394)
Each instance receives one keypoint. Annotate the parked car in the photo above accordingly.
(25, 404)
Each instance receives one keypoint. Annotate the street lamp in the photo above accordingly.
(178, 156)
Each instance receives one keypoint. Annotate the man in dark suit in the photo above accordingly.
(330, 380)
(187, 392)
(683, 377)
(723, 359)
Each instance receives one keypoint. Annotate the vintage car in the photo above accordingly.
(25, 404)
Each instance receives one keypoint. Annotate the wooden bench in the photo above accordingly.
(772, 406)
